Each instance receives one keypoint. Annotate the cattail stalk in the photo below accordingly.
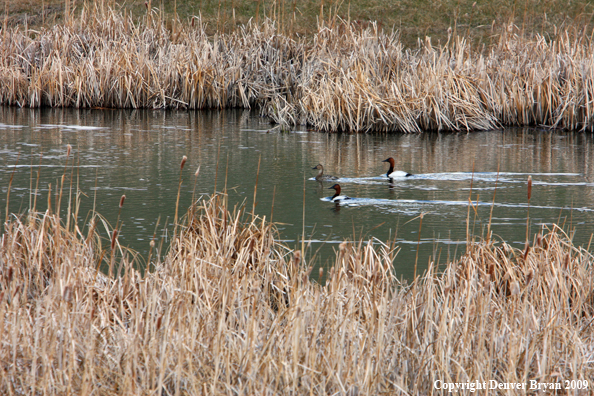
(181, 168)
(528, 211)
(10, 185)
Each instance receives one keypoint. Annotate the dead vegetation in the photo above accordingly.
(229, 310)
(344, 78)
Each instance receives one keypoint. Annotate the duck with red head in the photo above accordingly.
(392, 174)
(337, 197)
(321, 177)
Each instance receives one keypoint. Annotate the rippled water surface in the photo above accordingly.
(137, 153)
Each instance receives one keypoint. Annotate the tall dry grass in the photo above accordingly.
(229, 310)
(345, 78)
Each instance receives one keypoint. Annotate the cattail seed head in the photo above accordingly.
(515, 288)
(538, 242)
(297, 257)
(566, 261)
(526, 250)
(68, 149)
(197, 171)
(183, 162)
(114, 236)
(67, 294)
(529, 187)
(321, 273)
(159, 321)
(304, 278)
(9, 274)
(152, 243)
(122, 200)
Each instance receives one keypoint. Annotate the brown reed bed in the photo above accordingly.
(229, 310)
(344, 78)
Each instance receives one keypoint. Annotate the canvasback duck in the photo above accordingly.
(337, 197)
(392, 174)
(321, 176)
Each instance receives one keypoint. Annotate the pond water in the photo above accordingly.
(138, 153)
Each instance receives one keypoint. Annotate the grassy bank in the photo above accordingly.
(231, 311)
(343, 78)
(413, 19)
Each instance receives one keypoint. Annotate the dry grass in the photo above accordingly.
(231, 311)
(345, 78)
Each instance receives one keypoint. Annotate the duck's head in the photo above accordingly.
(335, 187)
(318, 166)
(390, 161)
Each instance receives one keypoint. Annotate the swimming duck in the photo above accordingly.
(392, 174)
(321, 176)
(337, 197)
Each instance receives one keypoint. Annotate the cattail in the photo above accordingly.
(529, 187)
(159, 321)
(515, 288)
(146, 4)
(114, 235)
(9, 274)
(320, 273)
(538, 242)
(122, 200)
(304, 278)
(152, 243)
(297, 257)
(342, 247)
(183, 162)
(67, 294)
(526, 250)
(197, 171)
(68, 149)
(566, 261)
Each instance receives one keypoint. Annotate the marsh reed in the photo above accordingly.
(344, 78)
(230, 310)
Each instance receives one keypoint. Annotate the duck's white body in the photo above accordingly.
(337, 197)
(340, 198)
(398, 175)
(392, 174)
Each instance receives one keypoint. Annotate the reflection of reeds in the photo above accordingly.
(344, 78)
(230, 308)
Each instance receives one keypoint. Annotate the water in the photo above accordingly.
(138, 153)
